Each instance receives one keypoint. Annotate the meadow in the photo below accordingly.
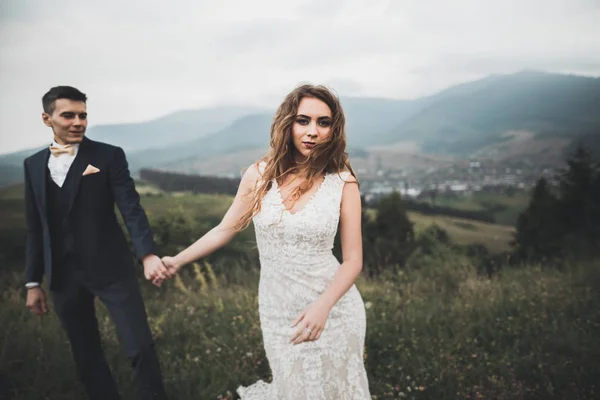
(437, 328)
(504, 208)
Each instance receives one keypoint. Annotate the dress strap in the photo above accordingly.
(338, 179)
(344, 175)
(261, 167)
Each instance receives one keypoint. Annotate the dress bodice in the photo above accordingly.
(305, 234)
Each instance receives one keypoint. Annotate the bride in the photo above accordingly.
(312, 316)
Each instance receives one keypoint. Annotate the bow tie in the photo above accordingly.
(57, 151)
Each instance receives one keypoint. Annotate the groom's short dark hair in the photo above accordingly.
(61, 92)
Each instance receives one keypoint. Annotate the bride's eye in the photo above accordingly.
(325, 123)
(302, 121)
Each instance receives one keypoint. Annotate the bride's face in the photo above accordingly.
(311, 127)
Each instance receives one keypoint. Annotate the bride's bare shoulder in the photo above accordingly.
(252, 174)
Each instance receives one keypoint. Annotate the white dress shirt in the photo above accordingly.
(59, 168)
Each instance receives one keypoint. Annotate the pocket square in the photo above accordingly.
(90, 170)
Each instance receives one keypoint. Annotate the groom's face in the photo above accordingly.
(68, 121)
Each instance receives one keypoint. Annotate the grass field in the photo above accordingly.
(464, 231)
(436, 330)
(439, 332)
(505, 209)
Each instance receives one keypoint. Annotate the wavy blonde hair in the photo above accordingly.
(326, 157)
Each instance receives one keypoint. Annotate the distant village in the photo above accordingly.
(455, 179)
(459, 179)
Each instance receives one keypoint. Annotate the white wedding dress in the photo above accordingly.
(297, 265)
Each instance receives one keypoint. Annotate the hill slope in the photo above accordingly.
(529, 114)
(464, 119)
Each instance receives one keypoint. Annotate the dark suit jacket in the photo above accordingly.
(100, 247)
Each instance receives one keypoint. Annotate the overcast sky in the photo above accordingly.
(138, 60)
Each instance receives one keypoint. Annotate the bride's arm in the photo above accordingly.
(351, 238)
(223, 233)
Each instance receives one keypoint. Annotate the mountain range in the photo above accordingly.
(530, 114)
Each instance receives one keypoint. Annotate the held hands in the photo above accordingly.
(310, 322)
(171, 267)
(155, 270)
(36, 300)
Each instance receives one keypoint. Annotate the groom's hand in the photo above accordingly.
(36, 300)
(155, 270)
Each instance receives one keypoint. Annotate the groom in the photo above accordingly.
(74, 239)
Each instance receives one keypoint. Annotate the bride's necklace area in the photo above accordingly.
(286, 191)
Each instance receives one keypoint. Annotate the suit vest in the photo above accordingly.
(61, 236)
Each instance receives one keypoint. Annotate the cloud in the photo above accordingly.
(138, 60)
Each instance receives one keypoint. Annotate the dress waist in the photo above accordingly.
(281, 257)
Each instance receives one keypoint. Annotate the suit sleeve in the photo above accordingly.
(128, 202)
(34, 246)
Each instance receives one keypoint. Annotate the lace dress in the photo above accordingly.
(297, 265)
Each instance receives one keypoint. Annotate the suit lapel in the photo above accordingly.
(39, 181)
(79, 164)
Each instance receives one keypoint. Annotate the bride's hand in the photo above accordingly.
(310, 322)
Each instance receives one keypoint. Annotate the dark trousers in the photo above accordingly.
(74, 304)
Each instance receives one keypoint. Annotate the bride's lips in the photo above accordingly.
(309, 145)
